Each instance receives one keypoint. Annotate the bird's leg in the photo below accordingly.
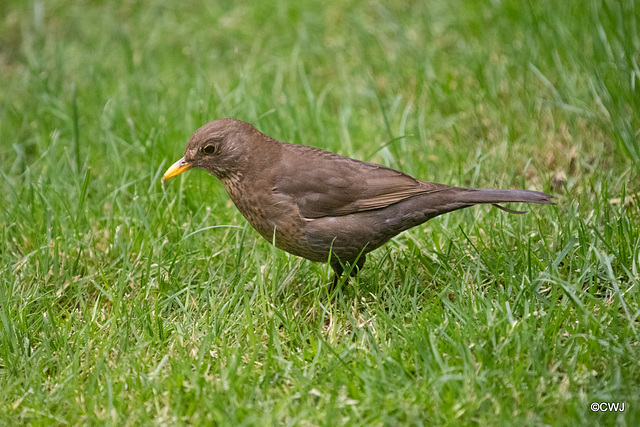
(337, 273)
(339, 270)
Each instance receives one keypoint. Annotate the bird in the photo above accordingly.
(320, 205)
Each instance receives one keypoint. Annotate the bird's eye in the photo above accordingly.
(209, 149)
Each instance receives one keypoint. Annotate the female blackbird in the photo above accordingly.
(319, 205)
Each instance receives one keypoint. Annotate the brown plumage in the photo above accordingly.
(320, 205)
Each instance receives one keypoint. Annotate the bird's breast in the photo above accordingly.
(275, 216)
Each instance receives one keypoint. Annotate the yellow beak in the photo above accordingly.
(177, 168)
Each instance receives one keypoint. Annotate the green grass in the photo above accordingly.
(125, 303)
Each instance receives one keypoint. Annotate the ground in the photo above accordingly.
(126, 302)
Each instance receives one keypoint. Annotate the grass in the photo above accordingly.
(122, 302)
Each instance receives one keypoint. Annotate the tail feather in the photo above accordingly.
(479, 196)
(459, 198)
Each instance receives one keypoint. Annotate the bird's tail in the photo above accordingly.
(454, 198)
(475, 196)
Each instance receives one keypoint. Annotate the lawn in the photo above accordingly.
(125, 302)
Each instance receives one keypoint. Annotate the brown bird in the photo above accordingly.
(319, 205)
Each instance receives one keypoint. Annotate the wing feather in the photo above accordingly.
(333, 185)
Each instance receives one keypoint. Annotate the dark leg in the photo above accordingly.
(337, 273)
(339, 270)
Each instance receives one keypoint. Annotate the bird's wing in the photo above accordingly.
(326, 184)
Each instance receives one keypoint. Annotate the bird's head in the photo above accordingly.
(219, 147)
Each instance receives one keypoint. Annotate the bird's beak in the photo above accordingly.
(177, 168)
